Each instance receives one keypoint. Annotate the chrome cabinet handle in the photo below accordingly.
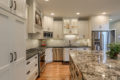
(11, 3)
(15, 53)
(11, 57)
(15, 5)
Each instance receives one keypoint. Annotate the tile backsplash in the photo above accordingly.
(31, 43)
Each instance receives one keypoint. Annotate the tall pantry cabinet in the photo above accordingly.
(12, 46)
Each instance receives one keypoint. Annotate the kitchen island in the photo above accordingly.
(88, 65)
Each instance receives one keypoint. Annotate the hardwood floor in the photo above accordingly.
(55, 71)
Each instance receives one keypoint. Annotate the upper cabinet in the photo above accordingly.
(70, 26)
(83, 28)
(58, 30)
(17, 7)
(76, 27)
(48, 24)
(34, 17)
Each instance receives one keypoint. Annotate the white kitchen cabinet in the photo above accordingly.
(32, 68)
(58, 30)
(49, 55)
(70, 26)
(19, 7)
(12, 57)
(6, 45)
(66, 54)
(83, 29)
(48, 23)
(19, 48)
(5, 3)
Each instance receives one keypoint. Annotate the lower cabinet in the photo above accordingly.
(32, 68)
(49, 55)
(75, 72)
(66, 55)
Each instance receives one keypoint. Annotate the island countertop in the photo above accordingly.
(91, 65)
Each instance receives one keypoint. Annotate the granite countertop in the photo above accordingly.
(68, 47)
(30, 53)
(91, 65)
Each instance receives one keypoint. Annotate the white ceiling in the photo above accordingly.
(68, 8)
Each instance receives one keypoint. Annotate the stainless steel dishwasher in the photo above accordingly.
(58, 54)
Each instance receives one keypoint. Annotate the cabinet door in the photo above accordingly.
(48, 23)
(20, 38)
(49, 55)
(5, 3)
(19, 70)
(5, 45)
(83, 29)
(20, 7)
(19, 48)
(58, 30)
(66, 54)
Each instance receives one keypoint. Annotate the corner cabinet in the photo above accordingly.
(12, 57)
(58, 30)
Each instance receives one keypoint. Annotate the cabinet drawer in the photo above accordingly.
(31, 65)
(33, 75)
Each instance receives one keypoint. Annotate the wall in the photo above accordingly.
(31, 43)
(54, 43)
(99, 22)
(116, 25)
(62, 43)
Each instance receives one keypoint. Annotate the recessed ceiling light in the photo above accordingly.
(46, 0)
(77, 13)
(52, 14)
(104, 13)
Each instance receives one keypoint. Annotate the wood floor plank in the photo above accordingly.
(55, 71)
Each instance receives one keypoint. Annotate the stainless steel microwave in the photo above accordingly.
(47, 34)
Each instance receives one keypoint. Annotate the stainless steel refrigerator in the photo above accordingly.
(101, 39)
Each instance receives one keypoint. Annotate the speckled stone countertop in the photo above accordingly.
(91, 65)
